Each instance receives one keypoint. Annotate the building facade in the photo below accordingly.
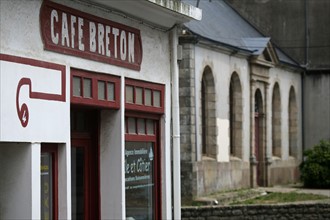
(309, 45)
(240, 106)
(85, 109)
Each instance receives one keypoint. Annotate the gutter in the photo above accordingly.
(176, 126)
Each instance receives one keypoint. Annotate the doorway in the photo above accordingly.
(259, 139)
(85, 194)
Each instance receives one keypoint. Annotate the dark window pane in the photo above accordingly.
(156, 98)
(138, 95)
(87, 88)
(111, 91)
(77, 183)
(101, 90)
(150, 127)
(147, 97)
(141, 126)
(76, 81)
(129, 94)
(131, 126)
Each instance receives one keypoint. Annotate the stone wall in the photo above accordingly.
(213, 175)
(289, 211)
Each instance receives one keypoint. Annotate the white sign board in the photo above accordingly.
(33, 105)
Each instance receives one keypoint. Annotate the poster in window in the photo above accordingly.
(46, 186)
(139, 180)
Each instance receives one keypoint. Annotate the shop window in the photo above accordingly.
(95, 89)
(143, 96)
(142, 179)
(48, 187)
(144, 104)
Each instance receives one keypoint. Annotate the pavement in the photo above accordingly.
(224, 198)
(296, 188)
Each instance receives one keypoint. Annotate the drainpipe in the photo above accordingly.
(176, 126)
(303, 75)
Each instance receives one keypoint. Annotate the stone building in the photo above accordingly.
(87, 94)
(306, 38)
(240, 106)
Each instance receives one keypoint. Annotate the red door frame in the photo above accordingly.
(157, 153)
(148, 112)
(89, 141)
(52, 149)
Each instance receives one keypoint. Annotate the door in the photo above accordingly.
(259, 138)
(84, 168)
(257, 147)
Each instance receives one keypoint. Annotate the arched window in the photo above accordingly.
(209, 130)
(293, 123)
(276, 122)
(235, 116)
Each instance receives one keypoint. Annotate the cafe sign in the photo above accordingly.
(69, 31)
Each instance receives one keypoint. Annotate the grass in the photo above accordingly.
(276, 197)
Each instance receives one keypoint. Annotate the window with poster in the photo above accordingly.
(48, 189)
(144, 103)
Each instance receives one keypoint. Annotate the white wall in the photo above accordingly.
(20, 181)
(112, 176)
(222, 67)
(20, 36)
(285, 79)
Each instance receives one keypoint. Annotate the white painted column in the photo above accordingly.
(35, 180)
(64, 181)
(176, 127)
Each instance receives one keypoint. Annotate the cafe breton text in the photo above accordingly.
(76, 33)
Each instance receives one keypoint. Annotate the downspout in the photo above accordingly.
(303, 75)
(176, 126)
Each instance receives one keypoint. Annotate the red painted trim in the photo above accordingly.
(139, 137)
(52, 148)
(23, 111)
(157, 155)
(45, 24)
(94, 101)
(146, 85)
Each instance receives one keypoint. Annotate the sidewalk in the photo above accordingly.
(223, 198)
(295, 188)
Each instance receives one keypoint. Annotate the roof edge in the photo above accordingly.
(180, 8)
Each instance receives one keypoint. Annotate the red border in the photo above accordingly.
(146, 85)
(52, 148)
(157, 155)
(45, 10)
(23, 111)
(89, 140)
(94, 101)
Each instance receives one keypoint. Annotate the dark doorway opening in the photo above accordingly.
(85, 194)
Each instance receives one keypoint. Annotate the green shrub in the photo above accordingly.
(315, 169)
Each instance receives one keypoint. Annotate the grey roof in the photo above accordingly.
(257, 44)
(222, 24)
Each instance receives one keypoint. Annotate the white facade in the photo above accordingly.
(223, 66)
(222, 146)
(49, 120)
